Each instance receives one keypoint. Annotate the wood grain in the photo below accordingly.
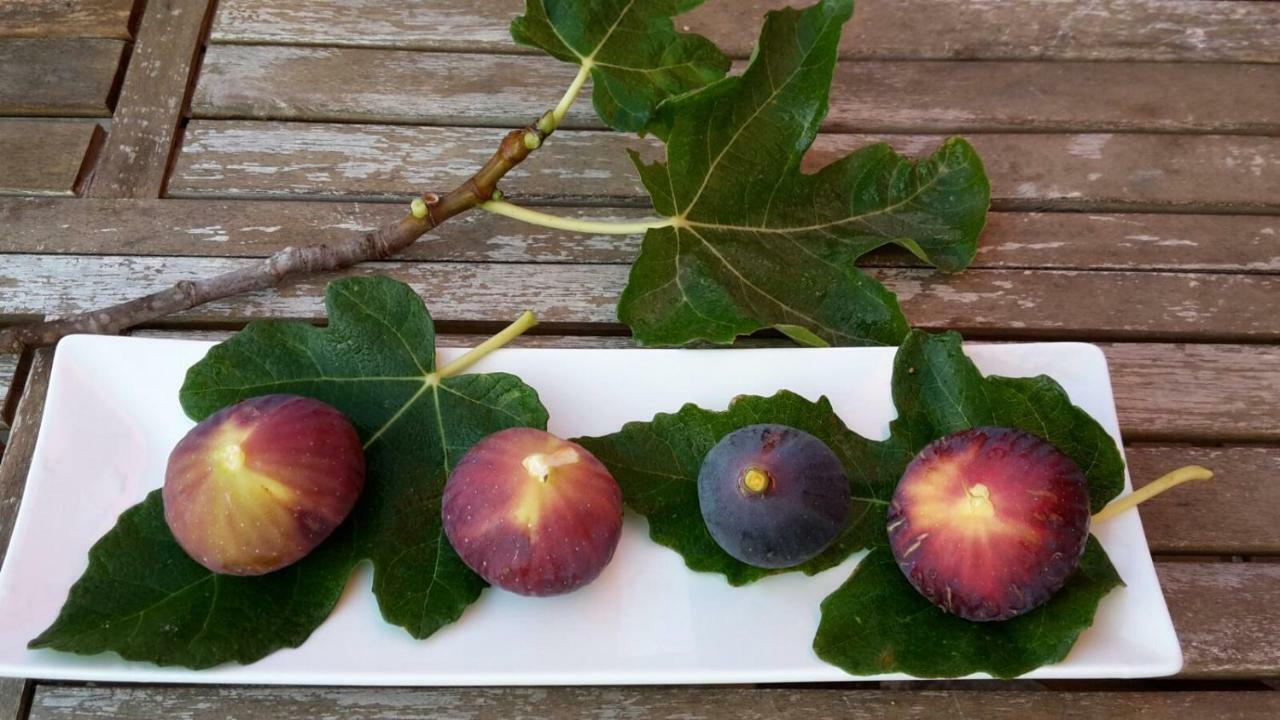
(58, 76)
(44, 157)
(1219, 517)
(1154, 397)
(656, 703)
(1225, 617)
(397, 86)
(238, 228)
(1191, 30)
(66, 18)
(135, 158)
(982, 303)
(1096, 172)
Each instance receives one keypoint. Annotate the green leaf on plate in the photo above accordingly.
(877, 623)
(756, 242)
(656, 464)
(938, 391)
(636, 57)
(142, 597)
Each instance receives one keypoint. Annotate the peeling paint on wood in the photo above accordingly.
(135, 158)
(1004, 303)
(1135, 172)
(242, 228)
(375, 85)
(1190, 30)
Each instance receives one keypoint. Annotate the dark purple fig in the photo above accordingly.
(988, 523)
(773, 496)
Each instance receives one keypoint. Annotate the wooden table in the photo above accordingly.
(1134, 152)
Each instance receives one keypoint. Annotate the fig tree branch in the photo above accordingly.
(428, 212)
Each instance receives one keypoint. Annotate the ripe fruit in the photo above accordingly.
(773, 496)
(258, 485)
(532, 513)
(989, 523)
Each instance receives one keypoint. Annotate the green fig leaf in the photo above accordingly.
(636, 58)
(877, 623)
(143, 598)
(757, 243)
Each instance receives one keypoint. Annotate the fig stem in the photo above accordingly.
(571, 94)
(540, 465)
(498, 206)
(1145, 493)
(477, 353)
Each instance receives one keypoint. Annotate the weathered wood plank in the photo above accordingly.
(66, 18)
(14, 464)
(397, 86)
(1220, 517)
(1101, 172)
(238, 228)
(984, 303)
(1193, 30)
(135, 158)
(1179, 391)
(44, 157)
(657, 703)
(1225, 617)
(58, 76)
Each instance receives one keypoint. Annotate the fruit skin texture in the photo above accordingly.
(773, 496)
(532, 513)
(256, 486)
(988, 523)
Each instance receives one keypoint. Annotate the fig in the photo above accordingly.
(532, 513)
(988, 523)
(773, 496)
(256, 486)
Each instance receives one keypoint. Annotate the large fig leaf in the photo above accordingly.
(877, 623)
(143, 598)
(656, 464)
(636, 57)
(755, 242)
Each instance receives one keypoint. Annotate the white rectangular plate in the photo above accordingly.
(112, 415)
